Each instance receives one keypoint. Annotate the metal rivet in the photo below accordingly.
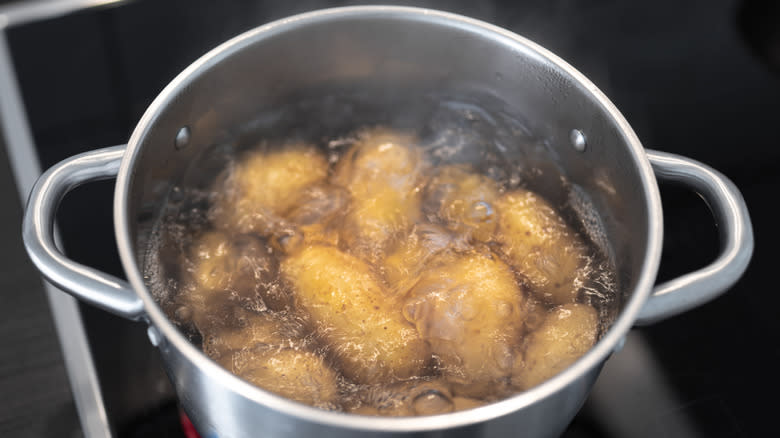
(620, 344)
(154, 335)
(182, 138)
(578, 140)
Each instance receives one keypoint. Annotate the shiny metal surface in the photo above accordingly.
(578, 140)
(22, 12)
(84, 283)
(182, 138)
(376, 49)
(373, 50)
(736, 235)
(223, 412)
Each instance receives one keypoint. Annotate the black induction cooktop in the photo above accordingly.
(694, 77)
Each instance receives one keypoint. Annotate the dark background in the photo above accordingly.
(699, 78)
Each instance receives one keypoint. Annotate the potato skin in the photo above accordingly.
(354, 315)
(238, 267)
(470, 310)
(541, 246)
(373, 222)
(316, 217)
(567, 333)
(232, 336)
(297, 374)
(383, 174)
(410, 256)
(465, 200)
(380, 158)
(264, 185)
(268, 350)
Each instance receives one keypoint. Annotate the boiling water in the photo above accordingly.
(251, 322)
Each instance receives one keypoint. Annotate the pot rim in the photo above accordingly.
(593, 358)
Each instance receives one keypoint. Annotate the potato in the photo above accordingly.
(232, 334)
(470, 310)
(465, 200)
(566, 334)
(380, 158)
(316, 218)
(237, 267)
(268, 350)
(297, 374)
(409, 257)
(255, 330)
(354, 315)
(264, 185)
(541, 246)
(373, 222)
(383, 173)
(536, 313)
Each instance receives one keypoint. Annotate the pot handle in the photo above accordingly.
(85, 283)
(736, 236)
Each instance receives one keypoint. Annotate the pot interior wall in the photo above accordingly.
(321, 76)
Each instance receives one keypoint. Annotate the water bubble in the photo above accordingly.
(432, 402)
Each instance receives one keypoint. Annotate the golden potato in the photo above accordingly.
(465, 200)
(209, 255)
(383, 173)
(470, 310)
(409, 257)
(566, 334)
(268, 350)
(316, 218)
(318, 203)
(372, 223)
(541, 246)
(380, 158)
(535, 315)
(354, 315)
(230, 334)
(264, 185)
(237, 267)
(296, 374)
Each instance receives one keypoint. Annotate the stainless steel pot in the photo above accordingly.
(388, 51)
